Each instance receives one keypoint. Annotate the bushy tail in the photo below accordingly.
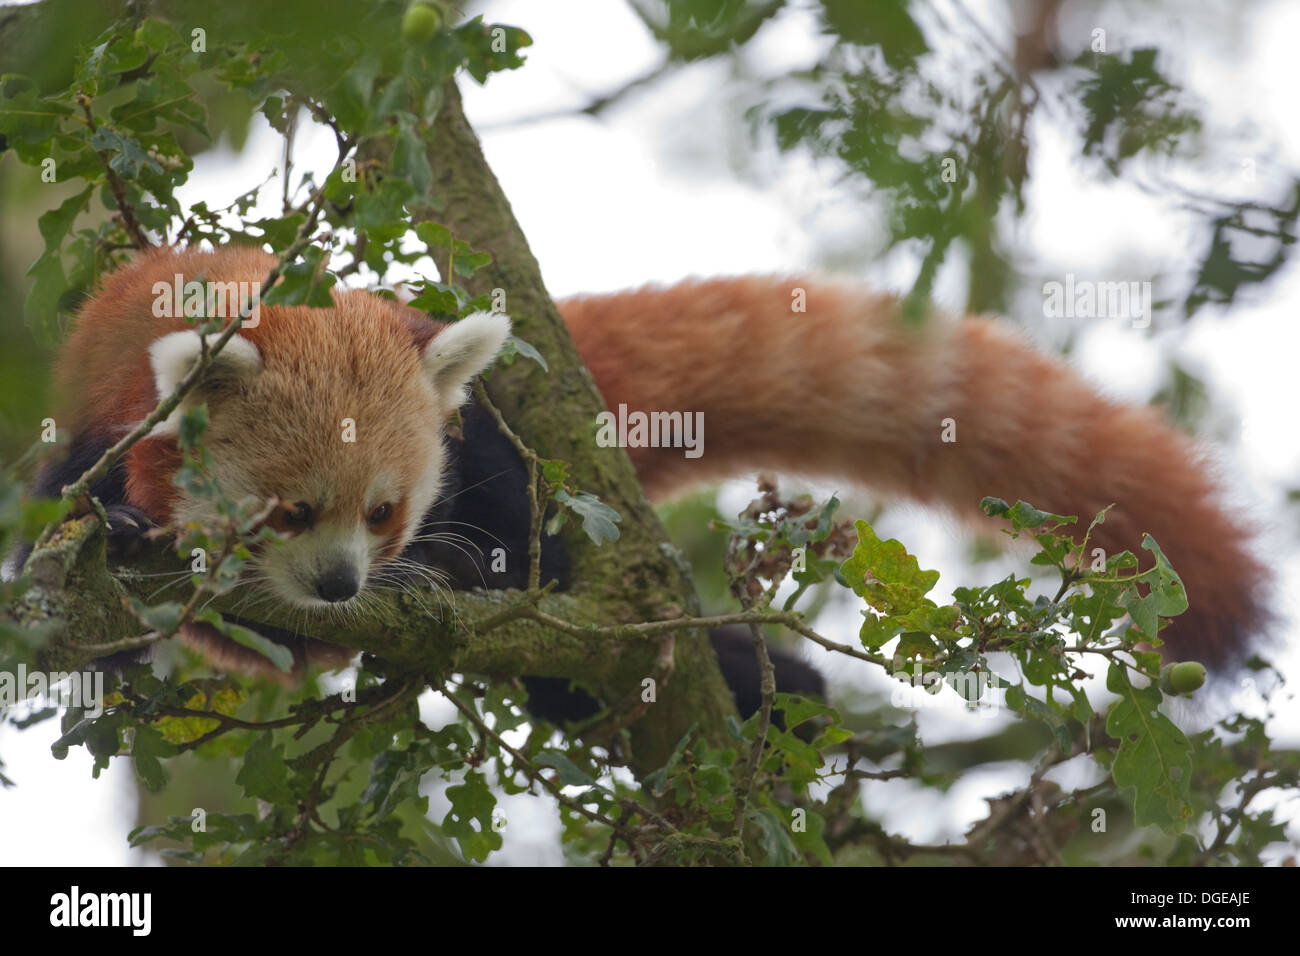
(847, 390)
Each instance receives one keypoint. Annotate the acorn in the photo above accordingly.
(1183, 677)
(1187, 676)
(420, 22)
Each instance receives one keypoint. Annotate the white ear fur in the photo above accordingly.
(173, 355)
(461, 351)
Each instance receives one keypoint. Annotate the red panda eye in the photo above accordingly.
(380, 514)
(299, 516)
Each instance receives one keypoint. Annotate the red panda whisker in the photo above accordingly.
(450, 542)
(408, 567)
(447, 536)
(473, 486)
(177, 578)
(451, 539)
(467, 524)
(418, 599)
(434, 580)
(436, 588)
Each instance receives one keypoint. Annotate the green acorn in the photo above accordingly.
(420, 22)
(1183, 677)
(1187, 676)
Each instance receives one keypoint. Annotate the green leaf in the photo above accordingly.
(1154, 759)
(265, 772)
(1029, 706)
(884, 573)
(277, 654)
(56, 223)
(50, 283)
(194, 422)
(434, 235)
(885, 24)
(599, 520)
(128, 156)
(795, 710)
(154, 34)
(555, 471)
(811, 839)
(437, 298)
(1024, 515)
(994, 507)
(147, 747)
(27, 118)
(570, 775)
(350, 99)
(394, 781)
(527, 351)
(303, 283)
(472, 802)
(280, 233)
(1166, 596)
(382, 211)
(442, 245)
(774, 838)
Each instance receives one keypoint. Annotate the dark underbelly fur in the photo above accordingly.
(485, 505)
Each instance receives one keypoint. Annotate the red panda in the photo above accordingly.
(281, 394)
(845, 390)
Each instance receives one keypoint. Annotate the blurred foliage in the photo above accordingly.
(938, 131)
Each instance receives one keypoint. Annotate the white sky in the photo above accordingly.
(650, 193)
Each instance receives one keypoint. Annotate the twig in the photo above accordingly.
(530, 770)
(1249, 791)
(593, 108)
(791, 619)
(633, 706)
(767, 687)
(535, 510)
(133, 228)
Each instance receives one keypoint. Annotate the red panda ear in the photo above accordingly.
(172, 356)
(462, 350)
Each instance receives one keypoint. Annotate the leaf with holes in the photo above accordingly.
(1154, 759)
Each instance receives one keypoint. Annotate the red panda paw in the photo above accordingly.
(127, 528)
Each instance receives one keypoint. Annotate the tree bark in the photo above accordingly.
(642, 576)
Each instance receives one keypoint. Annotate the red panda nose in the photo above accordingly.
(338, 584)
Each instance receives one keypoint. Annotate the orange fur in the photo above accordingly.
(849, 391)
(354, 361)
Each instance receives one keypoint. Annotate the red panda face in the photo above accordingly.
(337, 414)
